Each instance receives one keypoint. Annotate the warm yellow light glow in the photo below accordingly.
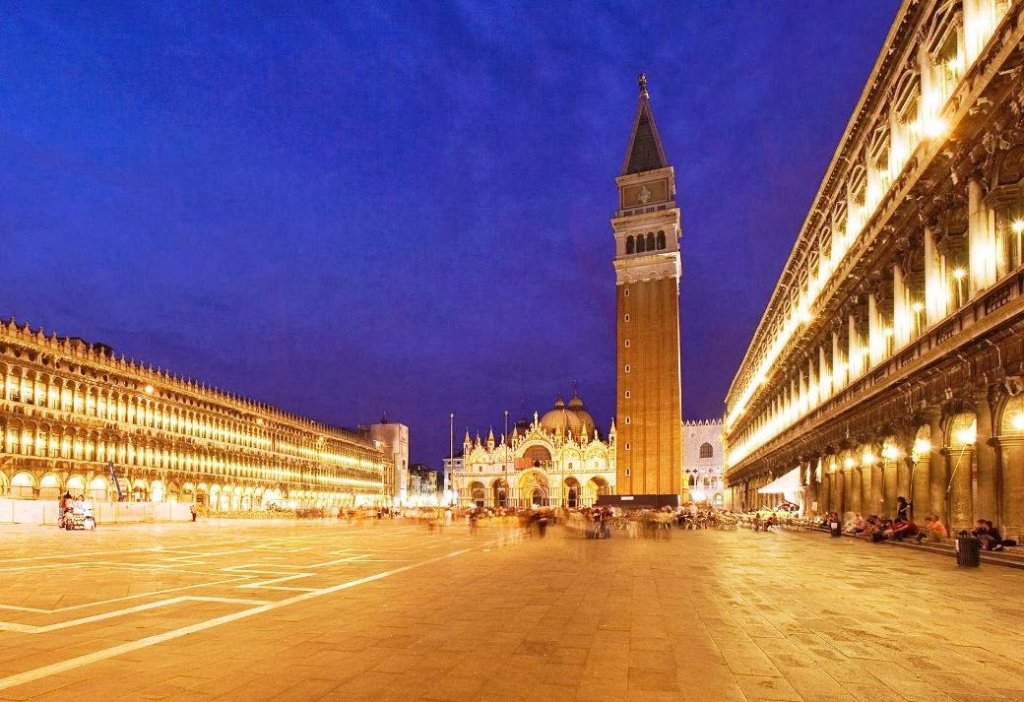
(867, 459)
(917, 307)
(933, 128)
(849, 462)
(1017, 226)
(890, 452)
(148, 389)
(805, 317)
(259, 420)
(967, 435)
(922, 446)
(887, 332)
(959, 273)
(1018, 421)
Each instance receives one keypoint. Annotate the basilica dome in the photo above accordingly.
(574, 418)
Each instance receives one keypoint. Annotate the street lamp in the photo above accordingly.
(504, 468)
(451, 454)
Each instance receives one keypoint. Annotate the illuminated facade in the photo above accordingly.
(703, 461)
(68, 409)
(888, 361)
(556, 460)
(647, 271)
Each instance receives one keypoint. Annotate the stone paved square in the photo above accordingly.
(233, 610)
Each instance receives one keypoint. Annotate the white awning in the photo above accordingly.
(790, 482)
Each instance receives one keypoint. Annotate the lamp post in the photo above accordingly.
(504, 467)
(451, 454)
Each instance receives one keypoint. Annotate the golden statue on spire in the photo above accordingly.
(642, 81)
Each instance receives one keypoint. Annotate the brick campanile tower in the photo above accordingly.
(647, 271)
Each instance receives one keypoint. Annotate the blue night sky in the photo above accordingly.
(345, 208)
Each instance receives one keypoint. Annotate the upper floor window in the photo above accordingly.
(661, 240)
(706, 451)
(630, 245)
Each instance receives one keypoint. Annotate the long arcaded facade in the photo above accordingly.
(889, 359)
(69, 410)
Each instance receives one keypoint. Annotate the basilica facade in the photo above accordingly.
(890, 359)
(75, 417)
(558, 459)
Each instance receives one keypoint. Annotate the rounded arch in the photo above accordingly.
(706, 450)
(477, 494)
(499, 492)
(23, 484)
(98, 489)
(49, 487)
(640, 245)
(963, 430)
(75, 484)
(650, 241)
(533, 487)
(1011, 419)
(630, 245)
(535, 455)
(573, 492)
(661, 240)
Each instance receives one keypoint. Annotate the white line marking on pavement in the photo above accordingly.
(96, 656)
(31, 629)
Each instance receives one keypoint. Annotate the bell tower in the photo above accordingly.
(646, 228)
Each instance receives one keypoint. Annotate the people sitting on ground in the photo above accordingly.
(857, 525)
(988, 534)
(934, 530)
(903, 528)
(883, 530)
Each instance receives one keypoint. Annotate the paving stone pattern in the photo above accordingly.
(286, 611)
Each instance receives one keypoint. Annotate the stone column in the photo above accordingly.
(961, 467)
(1011, 450)
(826, 493)
(845, 494)
(856, 491)
(986, 505)
(890, 489)
(903, 486)
(938, 468)
(810, 486)
(920, 494)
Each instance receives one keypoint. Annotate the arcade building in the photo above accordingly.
(890, 359)
(73, 415)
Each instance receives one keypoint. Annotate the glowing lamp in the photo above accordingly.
(849, 462)
(1017, 226)
(917, 307)
(148, 389)
(867, 459)
(1018, 421)
(967, 435)
(959, 273)
(890, 452)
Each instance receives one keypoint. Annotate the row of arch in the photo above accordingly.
(153, 408)
(532, 488)
(964, 465)
(54, 440)
(640, 243)
(25, 484)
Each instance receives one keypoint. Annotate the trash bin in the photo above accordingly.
(968, 551)
(835, 529)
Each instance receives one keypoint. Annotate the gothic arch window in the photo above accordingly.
(661, 240)
(640, 244)
(650, 241)
(630, 245)
(706, 451)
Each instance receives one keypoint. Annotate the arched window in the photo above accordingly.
(640, 244)
(661, 240)
(650, 241)
(630, 246)
(692, 481)
(706, 451)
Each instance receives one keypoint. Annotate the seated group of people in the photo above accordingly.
(989, 536)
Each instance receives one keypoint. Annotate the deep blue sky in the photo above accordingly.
(343, 208)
